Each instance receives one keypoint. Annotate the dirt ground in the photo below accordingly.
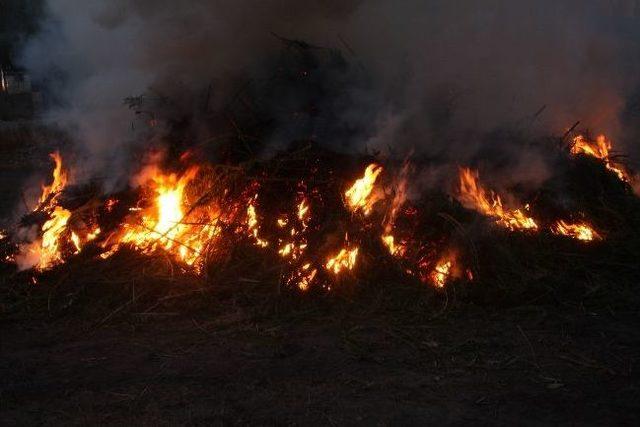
(524, 366)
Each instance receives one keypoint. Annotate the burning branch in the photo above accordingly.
(580, 231)
(600, 149)
(473, 196)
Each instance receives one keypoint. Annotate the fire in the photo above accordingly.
(292, 250)
(303, 274)
(441, 273)
(344, 260)
(400, 196)
(172, 214)
(473, 196)
(51, 232)
(58, 184)
(600, 150)
(360, 196)
(580, 231)
(395, 249)
(295, 248)
(163, 226)
(253, 226)
(46, 251)
(303, 277)
(79, 242)
(307, 278)
(75, 239)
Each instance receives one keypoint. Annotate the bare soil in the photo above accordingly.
(524, 366)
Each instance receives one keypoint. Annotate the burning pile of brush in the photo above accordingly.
(322, 227)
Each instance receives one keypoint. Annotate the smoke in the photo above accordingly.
(439, 74)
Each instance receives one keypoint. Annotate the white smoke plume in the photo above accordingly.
(437, 68)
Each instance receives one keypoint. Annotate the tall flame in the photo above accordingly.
(46, 251)
(52, 230)
(360, 196)
(473, 196)
(57, 185)
(163, 225)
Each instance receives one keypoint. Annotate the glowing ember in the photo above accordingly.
(394, 248)
(400, 196)
(303, 210)
(441, 273)
(579, 231)
(304, 277)
(253, 226)
(292, 250)
(293, 246)
(600, 150)
(473, 196)
(286, 250)
(360, 196)
(344, 260)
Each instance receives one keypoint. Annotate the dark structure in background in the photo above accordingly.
(19, 99)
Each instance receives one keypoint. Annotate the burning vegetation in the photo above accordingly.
(473, 196)
(600, 149)
(317, 218)
(323, 232)
(190, 216)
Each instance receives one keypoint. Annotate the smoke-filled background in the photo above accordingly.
(432, 76)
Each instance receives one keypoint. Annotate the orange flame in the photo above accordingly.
(395, 249)
(400, 196)
(600, 150)
(441, 273)
(163, 225)
(45, 252)
(303, 210)
(59, 180)
(344, 260)
(580, 231)
(473, 196)
(304, 277)
(360, 196)
(52, 229)
(303, 274)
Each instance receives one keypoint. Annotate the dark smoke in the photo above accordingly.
(433, 76)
